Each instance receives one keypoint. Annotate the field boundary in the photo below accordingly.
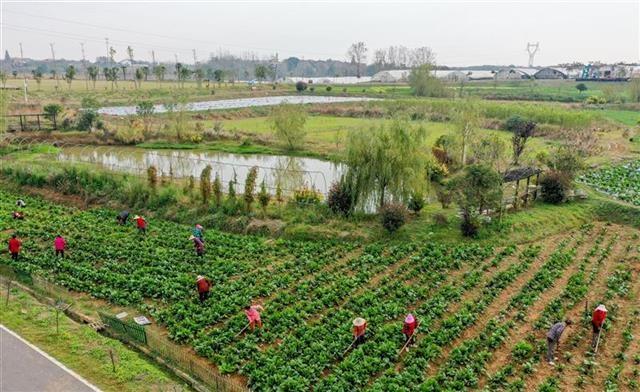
(199, 377)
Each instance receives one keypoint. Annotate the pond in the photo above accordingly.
(291, 172)
(237, 103)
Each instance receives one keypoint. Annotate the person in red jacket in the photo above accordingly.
(14, 247)
(599, 315)
(141, 223)
(59, 244)
(359, 330)
(253, 315)
(409, 327)
(203, 286)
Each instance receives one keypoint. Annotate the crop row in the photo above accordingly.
(621, 181)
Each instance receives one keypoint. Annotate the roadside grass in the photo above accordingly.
(82, 349)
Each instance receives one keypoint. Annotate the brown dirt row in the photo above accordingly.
(501, 356)
(501, 301)
(569, 374)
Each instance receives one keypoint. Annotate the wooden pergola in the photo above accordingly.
(520, 174)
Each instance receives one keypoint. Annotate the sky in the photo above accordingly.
(459, 32)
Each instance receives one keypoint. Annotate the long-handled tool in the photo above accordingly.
(595, 350)
(349, 348)
(241, 331)
(408, 341)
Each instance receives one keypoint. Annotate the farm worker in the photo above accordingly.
(203, 285)
(17, 215)
(14, 246)
(199, 245)
(599, 315)
(20, 203)
(253, 315)
(409, 327)
(123, 217)
(359, 330)
(198, 232)
(553, 339)
(141, 223)
(59, 245)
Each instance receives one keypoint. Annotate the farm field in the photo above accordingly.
(620, 181)
(484, 310)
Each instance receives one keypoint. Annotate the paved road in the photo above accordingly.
(25, 368)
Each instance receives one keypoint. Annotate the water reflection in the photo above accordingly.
(290, 172)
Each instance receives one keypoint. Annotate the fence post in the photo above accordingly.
(113, 362)
(6, 303)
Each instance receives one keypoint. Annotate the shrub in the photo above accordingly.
(553, 188)
(305, 196)
(513, 123)
(594, 100)
(288, 123)
(312, 89)
(131, 134)
(51, 112)
(217, 190)
(393, 216)
(87, 119)
(301, 86)
(329, 88)
(263, 196)
(205, 184)
(469, 225)
(250, 187)
(416, 203)
(340, 200)
(444, 194)
(522, 351)
(152, 177)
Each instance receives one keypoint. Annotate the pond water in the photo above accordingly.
(237, 103)
(291, 172)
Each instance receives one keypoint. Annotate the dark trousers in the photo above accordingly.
(359, 340)
(551, 349)
(14, 255)
(594, 338)
(200, 252)
(203, 296)
(142, 230)
(60, 252)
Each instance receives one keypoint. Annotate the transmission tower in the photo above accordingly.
(532, 49)
(84, 66)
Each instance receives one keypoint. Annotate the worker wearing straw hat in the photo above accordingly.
(359, 330)
(141, 223)
(203, 286)
(597, 321)
(198, 232)
(198, 244)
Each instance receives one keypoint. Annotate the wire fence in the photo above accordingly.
(170, 353)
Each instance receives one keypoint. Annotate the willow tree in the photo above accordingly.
(386, 160)
(467, 122)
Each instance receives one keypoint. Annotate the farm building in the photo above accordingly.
(551, 73)
(515, 73)
(391, 76)
(481, 74)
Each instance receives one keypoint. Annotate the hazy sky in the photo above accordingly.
(460, 33)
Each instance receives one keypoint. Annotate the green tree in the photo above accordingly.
(37, 76)
(69, 74)
(425, 84)
(218, 76)
(288, 123)
(183, 75)
(467, 123)
(159, 71)
(250, 187)
(521, 135)
(261, 71)
(581, 87)
(51, 112)
(205, 184)
(138, 77)
(111, 75)
(478, 189)
(217, 190)
(264, 197)
(93, 71)
(387, 159)
(145, 110)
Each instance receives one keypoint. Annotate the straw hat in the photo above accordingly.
(136, 217)
(192, 238)
(601, 307)
(409, 319)
(200, 277)
(358, 322)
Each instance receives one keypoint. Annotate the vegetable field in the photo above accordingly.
(484, 311)
(621, 182)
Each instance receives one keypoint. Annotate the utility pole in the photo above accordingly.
(106, 40)
(153, 58)
(195, 59)
(532, 49)
(53, 56)
(84, 65)
(24, 81)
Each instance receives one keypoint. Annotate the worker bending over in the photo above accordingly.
(198, 244)
(198, 232)
(253, 315)
(359, 330)
(553, 339)
(123, 217)
(17, 215)
(203, 286)
(597, 321)
(141, 223)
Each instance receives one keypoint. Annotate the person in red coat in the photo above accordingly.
(203, 286)
(599, 315)
(359, 330)
(59, 244)
(14, 247)
(253, 315)
(141, 223)
(409, 327)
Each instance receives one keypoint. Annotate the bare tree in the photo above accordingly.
(358, 54)
(421, 56)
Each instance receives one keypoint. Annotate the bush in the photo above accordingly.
(522, 351)
(416, 203)
(340, 199)
(306, 196)
(469, 226)
(329, 88)
(393, 216)
(301, 86)
(514, 123)
(553, 188)
(87, 119)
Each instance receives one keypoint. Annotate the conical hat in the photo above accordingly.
(200, 277)
(358, 322)
(601, 307)
(136, 217)
(192, 238)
